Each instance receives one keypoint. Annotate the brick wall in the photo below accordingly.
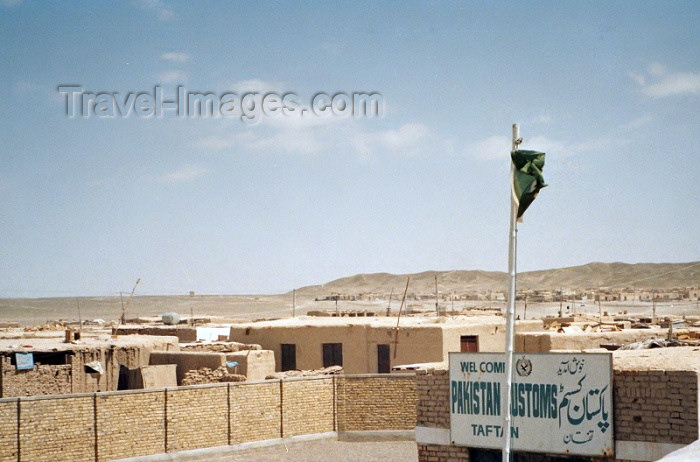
(439, 453)
(52, 428)
(307, 406)
(8, 430)
(255, 411)
(111, 425)
(433, 409)
(197, 417)
(656, 406)
(43, 380)
(376, 403)
(126, 417)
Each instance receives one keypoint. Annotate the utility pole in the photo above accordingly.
(398, 318)
(80, 318)
(525, 310)
(294, 302)
(561, 301)
(653, 307)
(388, 307)
(437, 305)
(600, 311)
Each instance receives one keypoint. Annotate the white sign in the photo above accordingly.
(561, 402)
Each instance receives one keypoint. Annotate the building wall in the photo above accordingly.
(43, 380)
(188, 360)
(653, 411)
(111, 425)
(656, 406)
(552, 341)
(360, 342)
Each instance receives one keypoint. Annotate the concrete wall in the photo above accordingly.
(655, 412)
(111, 425)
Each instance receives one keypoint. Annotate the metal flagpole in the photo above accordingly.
(510, 314)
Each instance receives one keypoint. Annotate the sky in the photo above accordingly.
(227, 204)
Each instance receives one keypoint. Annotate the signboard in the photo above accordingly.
(562, 402)
(24, 361)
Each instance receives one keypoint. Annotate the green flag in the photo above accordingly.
(527, 178)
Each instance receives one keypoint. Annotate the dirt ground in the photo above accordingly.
(327, 450)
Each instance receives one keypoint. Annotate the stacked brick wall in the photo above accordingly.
(43, 380)
(307, 406)
(656, 406)
(112, 425)
(438, 453)
(8, 430)
(197, 417)
(255, 411)
(126, 418)
(376, 403)
(433, 409)
(57, 428)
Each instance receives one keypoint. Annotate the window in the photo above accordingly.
(332, 354)
(469, 343)
(289, 357)
(383, 359)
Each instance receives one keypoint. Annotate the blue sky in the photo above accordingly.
(610, 90)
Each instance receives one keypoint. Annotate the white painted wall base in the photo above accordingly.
(429, 435)
(643, 450)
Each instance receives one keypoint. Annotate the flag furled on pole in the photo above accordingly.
(527, 178)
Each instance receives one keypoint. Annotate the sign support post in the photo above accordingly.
(510, 313)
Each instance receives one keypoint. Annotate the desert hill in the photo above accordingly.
(591, 275)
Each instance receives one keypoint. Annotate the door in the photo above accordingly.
(332, 354)
(289, 357)
(383, 359)
(469, 343)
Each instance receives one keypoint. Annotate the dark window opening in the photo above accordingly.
(60, 358)
(383, 359)
(469, 343)
(289, 357)
(332, 354)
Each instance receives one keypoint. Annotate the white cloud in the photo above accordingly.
(675, 84)
(165, 14)
(493, 147)
(660, 82)
(175, 57)
(255, 85)
(158, 7)
(639, 122)
(404, 137)
(498, 147)
(184, 174)
(173, 76)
